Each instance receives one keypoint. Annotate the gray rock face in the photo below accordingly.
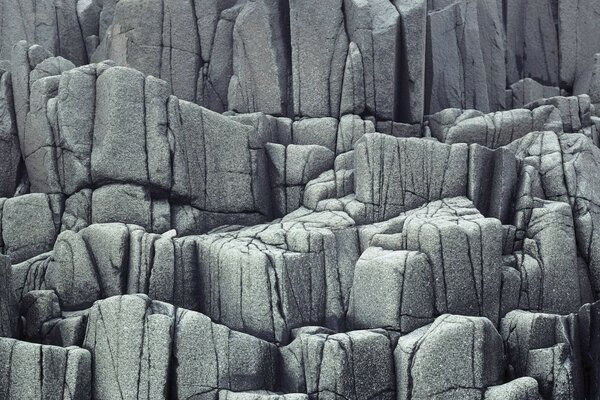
(299, 199)
(37, 371)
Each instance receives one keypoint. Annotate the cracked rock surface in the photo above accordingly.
(299, 199)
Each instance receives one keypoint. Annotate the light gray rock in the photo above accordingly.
(392, 290)
(319, 364)
(456, 357)
(492, 130)
(462, 35)
(319, 45)
(119, 142)
(261, 71)
(373, 26)
(34, 371)
(527, 90)
(394, 175)
(53, 24)
(464, 250)
(353, 99)
(532, 41)
(525, 388)
(29, 225)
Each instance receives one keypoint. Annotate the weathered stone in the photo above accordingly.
(456, 357)
(34, 371)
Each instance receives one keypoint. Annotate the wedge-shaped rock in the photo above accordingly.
(320, 364)
(456, 357)
(34, 371)
(291, 168)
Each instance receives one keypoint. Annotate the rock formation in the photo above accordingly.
(299, 199)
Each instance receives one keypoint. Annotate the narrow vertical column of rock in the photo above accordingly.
(392, 290)
(40, 139)
(394, 175)
(532, 41)
(553, 285)
(119, 141)
(576, 44)
(10, 153)
(260, 60)
(319, 364)
(23, 60)
(8, 305)
(213, 85)
(319, 48)
(456, 357)
(373, 26)
(464, 250)
(460, 36)
(52, 24)
(29, 370)
(77, 91)
(410, 84)
(580, 160)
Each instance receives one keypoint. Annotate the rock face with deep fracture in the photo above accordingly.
(299, 199)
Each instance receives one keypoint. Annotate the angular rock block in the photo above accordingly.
(464, 250)
(34, 371)
(392, 290)
(456, 357)
(30, 225)
(139, 344)
(465, 63)
(54, 24)
(495, 129)
(320, 364)
(300, 270)
(526, 91)
(393, 175)
(520, 389)
(319, 45)
(291, 168)
(260, 73)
